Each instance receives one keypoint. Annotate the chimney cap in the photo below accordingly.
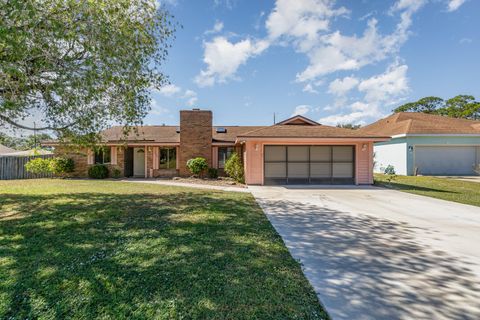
(196, 109)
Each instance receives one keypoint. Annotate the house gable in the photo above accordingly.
(299, 121)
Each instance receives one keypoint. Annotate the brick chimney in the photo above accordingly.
(195, 137)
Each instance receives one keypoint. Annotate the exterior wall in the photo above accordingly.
(254, 153)
(435, 141)
(195, 137)
(82, 162)
(391, 153)
(80, 159)
(215, 157)
(153, 157)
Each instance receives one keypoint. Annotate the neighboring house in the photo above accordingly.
(297, 150)
(426, 144)
(5, 150)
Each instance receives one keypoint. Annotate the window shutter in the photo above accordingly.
(155, 158)
(90, 156)
(113, 155)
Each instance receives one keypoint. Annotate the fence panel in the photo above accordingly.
(14, 168)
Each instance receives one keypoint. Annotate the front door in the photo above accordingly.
(128, 160)
(139, 162)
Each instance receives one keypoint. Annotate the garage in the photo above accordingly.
(446, 160)
(309, 164)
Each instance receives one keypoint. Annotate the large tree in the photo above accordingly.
(461, 106)
(78, 65)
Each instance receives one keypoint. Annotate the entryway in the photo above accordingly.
(135, 162)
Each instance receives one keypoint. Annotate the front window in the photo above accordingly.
(223, 154)
(102, 156)
(168, 158)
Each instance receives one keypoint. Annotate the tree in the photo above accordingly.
(349, 126)
(78, 66)
(425, 105)
(234, 168)
(461, 106)
(27, 143)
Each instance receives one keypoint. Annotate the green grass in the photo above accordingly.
(114, 250)
(442, 188)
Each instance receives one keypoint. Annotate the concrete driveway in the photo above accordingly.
(372, 253)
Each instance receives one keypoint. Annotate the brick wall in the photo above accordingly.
(195, 137)
(80, 159)
(79, 156)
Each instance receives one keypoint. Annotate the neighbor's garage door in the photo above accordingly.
(309, 164)
(445, 160)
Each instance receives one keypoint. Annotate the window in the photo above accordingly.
(168, 158)
(102, 156)
(223, 154)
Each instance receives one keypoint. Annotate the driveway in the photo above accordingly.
(372, 253)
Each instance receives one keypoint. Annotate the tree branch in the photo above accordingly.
(21, 126)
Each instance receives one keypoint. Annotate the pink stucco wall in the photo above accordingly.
(253, 157)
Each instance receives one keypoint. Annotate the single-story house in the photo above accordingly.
(426, 144)
(295, 151)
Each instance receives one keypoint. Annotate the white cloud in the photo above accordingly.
(217, 27)
(354, 118)
(223, 58)
(191, 97)
(301, 110)
(336, 52)
(158, 110)
(301, 20)
(169, 90)
(465, 41)
(309, 88)
(342, 86)
(454, 4)
(392, 83)
(305, 24)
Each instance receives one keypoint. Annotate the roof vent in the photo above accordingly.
(221, 130)
(196, 109)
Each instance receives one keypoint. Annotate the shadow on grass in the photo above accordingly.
(409, 187)
(172, 255)
(365, 267)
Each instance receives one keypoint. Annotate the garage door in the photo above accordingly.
(309, 164)
(448, 160)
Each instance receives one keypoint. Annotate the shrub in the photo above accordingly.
(61, 166)
(389, 169)
(234, 168)
(212, 173)
(116, 173)
(390, 172)
(98, 171)
(38, 166)
(197, 165)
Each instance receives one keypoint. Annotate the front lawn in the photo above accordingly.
(441, 188)
(116, 250)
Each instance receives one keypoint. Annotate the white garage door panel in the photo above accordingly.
(445, 160)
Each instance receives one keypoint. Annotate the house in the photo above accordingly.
(295, 151)
(426, 144)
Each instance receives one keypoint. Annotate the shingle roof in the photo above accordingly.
(306, 131)
(421, 123)
(169, 134)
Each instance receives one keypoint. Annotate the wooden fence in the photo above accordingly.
(14, 168)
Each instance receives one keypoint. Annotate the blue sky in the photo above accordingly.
(332, 61)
